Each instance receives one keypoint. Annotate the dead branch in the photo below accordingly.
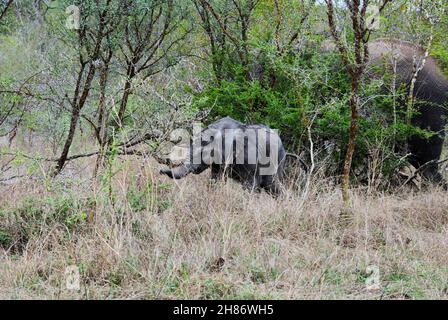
(421, 168)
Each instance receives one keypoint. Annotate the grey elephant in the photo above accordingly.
(251, 154)
(430, 92)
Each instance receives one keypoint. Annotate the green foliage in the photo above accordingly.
(440, 45)
(215, 289)
(291, 85)
(7, 24)
(145, 197)
(312, 89)
(5, 239)
(18, 225)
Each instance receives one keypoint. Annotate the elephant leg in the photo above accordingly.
(271, 185)
(217, 173)
(426, 153)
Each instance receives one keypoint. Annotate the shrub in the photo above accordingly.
(294, 93)
(33, 216)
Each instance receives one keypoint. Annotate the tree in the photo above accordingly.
(355, 67)
(238, 35)
(98, 20)
(147, 37)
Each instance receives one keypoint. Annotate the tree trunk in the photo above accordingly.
(76, 111)
(126, 93)
(68, 142)
(102, 118)
(352, 139)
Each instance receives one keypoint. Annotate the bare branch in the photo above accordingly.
(5, 9)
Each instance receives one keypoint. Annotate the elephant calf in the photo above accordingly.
(251, 154)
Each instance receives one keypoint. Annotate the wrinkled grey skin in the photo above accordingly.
(431, 93)
(247, 174)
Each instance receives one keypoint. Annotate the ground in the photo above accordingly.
(135, 234)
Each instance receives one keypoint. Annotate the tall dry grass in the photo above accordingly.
(139, 235)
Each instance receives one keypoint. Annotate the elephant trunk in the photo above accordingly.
(176, 173)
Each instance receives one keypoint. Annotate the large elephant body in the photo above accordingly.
(251, 154)
(430, 92)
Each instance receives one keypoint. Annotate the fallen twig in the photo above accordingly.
(421, 168)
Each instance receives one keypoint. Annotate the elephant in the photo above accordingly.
(430, 92)
(250, 154)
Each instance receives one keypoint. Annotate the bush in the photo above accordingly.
(33, 215)
(294, 93)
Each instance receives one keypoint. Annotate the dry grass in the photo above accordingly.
(147, 237)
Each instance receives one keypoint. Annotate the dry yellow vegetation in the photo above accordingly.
(138, 235)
